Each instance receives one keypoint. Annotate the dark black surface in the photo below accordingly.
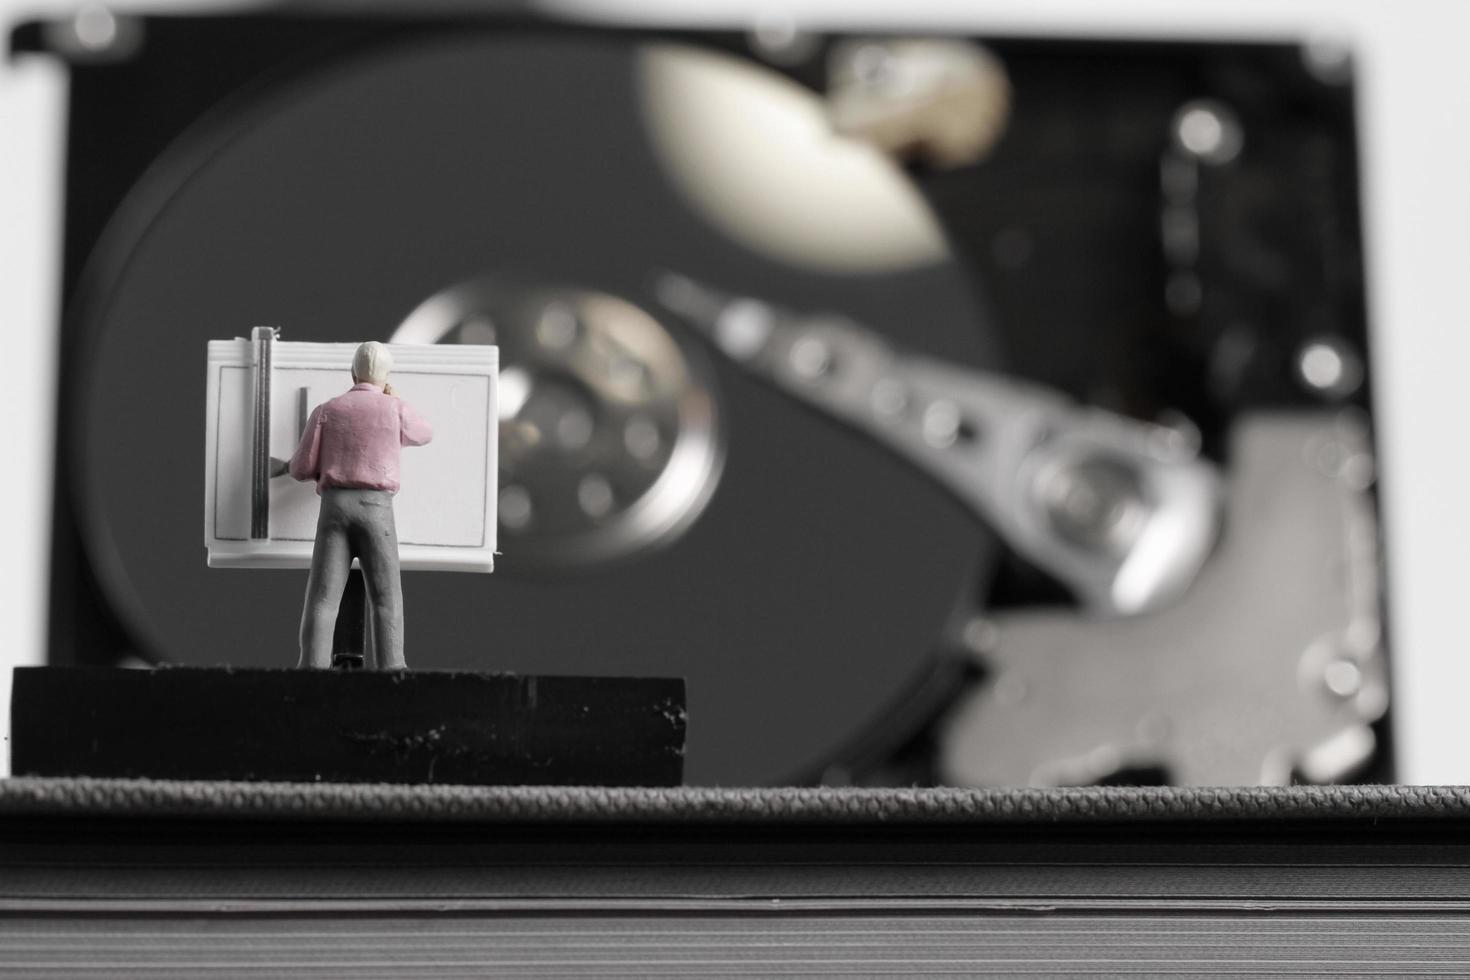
(341, 726)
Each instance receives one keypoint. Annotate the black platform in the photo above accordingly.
(347, 726)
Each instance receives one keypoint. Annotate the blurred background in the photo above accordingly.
(954, 393)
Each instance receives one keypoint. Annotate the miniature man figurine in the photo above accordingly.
(351, 449)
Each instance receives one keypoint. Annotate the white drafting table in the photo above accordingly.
(445, 508)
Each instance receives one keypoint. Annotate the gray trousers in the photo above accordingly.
(354, 524)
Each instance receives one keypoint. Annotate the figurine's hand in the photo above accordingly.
(387, 388)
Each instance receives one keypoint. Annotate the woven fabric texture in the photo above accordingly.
(504, 804)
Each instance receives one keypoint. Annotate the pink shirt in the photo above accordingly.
(354, 440)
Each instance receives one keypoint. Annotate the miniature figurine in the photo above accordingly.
(351, 449)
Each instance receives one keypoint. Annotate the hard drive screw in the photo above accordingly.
(515, 507)
(980, 635)
(641, 438)
(595, 495)
(743, 328)
(811, 358)
(557, 328)
(95, 34)
(574, 428)
(1343, 678)
(95, 27)
(941, 424)
(1327, 366)
(1208, 131)
(1094, 503)
(1329, 58)
(777, 38)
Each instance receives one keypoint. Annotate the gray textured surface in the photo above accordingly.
(703, 946)
(301, 801)
(234, 899)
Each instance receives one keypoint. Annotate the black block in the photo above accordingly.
(347, 726)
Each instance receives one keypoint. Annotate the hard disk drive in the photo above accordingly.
(945, 409)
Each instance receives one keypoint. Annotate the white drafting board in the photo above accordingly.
(445, 507)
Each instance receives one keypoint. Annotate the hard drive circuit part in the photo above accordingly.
(1124, 512)
(1270, 668)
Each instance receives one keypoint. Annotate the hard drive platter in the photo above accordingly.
(942, 409)
(803, 602)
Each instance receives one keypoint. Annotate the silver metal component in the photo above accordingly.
(1343, 678)
(1208, 131)
(1241, 681)
(641, 438)
(941, 424)
(744, 327)
(595, 495)
(1339, 756)
(945, 100)
(1329, 58)
(95, 33)
(515, 508)
(557, 328)
(1096, 503)
(95, 27)
(609, 435)
(263, 339)
(574, 429)
(777, 38)
(979, 635)
(1330, 367)
(1123, 512)
(1176, 435)
(810, 358)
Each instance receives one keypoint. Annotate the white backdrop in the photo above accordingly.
(1415, 104)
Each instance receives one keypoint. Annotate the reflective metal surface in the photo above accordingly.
(944, 101)
(610, 442)
(1269, 669)
(1123, 512)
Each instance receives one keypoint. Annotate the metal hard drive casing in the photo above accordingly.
(1140, 303)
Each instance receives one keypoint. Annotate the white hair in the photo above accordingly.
(371, 363)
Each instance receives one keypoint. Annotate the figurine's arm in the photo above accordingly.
(305, 462)
(414, 429)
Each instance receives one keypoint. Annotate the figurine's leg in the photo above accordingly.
(376, 544)
(331, 560)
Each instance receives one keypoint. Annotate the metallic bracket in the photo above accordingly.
(1270, 668)
(263, 338)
